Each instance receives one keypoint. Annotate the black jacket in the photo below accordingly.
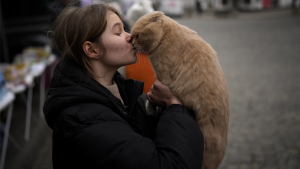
(92, 129)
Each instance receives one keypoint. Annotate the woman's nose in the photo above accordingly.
(129, 38)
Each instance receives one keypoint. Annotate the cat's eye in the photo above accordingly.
(137, 36)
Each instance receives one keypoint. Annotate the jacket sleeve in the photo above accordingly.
(178, 143)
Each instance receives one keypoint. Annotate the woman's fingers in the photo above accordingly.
(161, 95)
(157, 95)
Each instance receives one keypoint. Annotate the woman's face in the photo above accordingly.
(119, 50)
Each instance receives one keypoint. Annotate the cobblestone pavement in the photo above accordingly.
(260, 57)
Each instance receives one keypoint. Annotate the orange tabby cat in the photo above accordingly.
(188, 65)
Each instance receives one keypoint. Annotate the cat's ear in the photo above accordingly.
(157, 15)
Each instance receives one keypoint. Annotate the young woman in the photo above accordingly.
(99, 118)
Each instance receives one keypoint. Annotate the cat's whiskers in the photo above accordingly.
(140, 50)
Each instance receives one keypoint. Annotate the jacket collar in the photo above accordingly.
(71, 86)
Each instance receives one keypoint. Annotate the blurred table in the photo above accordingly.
(19, 89)
(36, 70)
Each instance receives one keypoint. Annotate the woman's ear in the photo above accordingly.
(91, 50)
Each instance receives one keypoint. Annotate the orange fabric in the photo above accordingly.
(142, 71)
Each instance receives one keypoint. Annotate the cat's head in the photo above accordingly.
(148, 31)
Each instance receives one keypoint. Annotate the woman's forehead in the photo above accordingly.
(112, 18)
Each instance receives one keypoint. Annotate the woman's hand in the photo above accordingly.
(161, 95)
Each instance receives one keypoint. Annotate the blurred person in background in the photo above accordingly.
(198, 6)
(137, 10)
(127, 4)
(98, 118)
(296, 6)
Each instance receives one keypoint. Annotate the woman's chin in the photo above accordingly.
(132, 61)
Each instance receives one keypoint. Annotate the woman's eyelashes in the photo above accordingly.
(119, 32)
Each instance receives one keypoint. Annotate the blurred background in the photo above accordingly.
(257, 44)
